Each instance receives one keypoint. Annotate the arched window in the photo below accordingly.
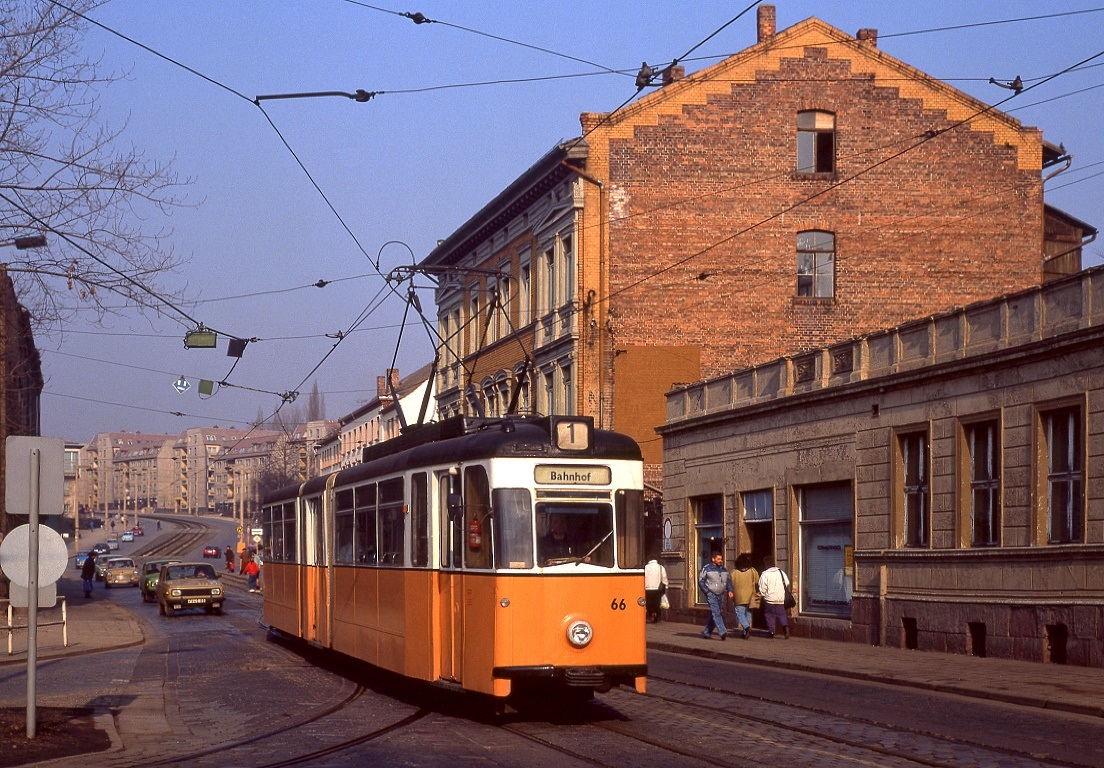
(816, 264)
(816, 142)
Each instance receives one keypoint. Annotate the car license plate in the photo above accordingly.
(196, 600)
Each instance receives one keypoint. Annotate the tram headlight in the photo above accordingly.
(580, 633)
(641, 602)
(504, 602)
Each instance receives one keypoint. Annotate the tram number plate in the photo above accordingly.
(196, 600)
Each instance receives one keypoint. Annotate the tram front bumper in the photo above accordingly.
(600, 678)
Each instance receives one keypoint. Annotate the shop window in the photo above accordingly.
(816, 142)
(827, 579)
(816, 264)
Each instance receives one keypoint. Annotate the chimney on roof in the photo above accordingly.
(673, 73)
(382, 390)
(869, 37)
(766, 22)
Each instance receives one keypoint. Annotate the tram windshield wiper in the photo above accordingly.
(586, 558)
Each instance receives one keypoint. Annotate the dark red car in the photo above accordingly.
(137, 531)
(211, 552)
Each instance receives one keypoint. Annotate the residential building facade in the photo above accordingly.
(805, 190)
(934, 486)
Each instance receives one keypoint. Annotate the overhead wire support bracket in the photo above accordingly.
(359, 95)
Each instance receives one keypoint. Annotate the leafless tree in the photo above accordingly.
(68, 175)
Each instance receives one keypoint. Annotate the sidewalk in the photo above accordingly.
(1050, 686)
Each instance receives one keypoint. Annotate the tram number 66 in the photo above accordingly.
(617, 605)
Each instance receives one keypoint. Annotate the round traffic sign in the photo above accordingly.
(15, 556)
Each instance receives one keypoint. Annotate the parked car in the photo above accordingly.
(189, 585)
(100, 548)
(128, 536)
(112, 543)
(137, 531)
(151, 574)
(120, 572)
(211, 552)
(82, 555)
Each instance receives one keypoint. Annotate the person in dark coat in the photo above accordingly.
(229, 559)
(88, 573)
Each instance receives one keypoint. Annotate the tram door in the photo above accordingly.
(451, 648)
(314, 587)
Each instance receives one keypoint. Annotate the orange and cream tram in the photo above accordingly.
(500, 556)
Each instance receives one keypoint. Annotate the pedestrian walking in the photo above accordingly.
(229, 559)
(774, 585)
(88, 573)
(655, 587)
(745, 591)
(252, 571)
(716, 584)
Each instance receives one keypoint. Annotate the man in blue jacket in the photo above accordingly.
(715, 583)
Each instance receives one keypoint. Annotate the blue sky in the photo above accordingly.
(412, 166)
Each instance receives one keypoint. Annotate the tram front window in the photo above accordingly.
(575, 533)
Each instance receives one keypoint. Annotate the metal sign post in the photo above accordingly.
(25, 459)
(32, 589)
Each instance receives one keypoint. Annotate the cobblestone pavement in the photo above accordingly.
(172, 687)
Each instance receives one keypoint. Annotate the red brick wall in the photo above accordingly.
(955, 220)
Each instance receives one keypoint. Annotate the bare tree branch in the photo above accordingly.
(63, 171)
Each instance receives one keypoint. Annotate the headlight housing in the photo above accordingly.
(580, 633)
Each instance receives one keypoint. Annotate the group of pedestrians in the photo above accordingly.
(746, 588)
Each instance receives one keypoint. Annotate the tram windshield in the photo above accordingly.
(575, 533)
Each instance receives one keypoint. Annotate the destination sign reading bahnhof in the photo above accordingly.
(556, 474)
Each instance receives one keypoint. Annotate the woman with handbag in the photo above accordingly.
(655, 590)
(774, 586)
(745, 591)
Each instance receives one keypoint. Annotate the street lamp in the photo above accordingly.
(25, 243)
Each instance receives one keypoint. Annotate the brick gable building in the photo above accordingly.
(803, 191)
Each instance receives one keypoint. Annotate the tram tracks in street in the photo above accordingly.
(795, 728)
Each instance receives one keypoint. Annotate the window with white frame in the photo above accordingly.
(505, 300)
(567, 269)
(493, 311)
(825, 513)
(567, 391)
(473, 321)
(816, 264)
(525, 294)
(550, 299)
(548, 397)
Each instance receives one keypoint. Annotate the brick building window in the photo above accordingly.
(816, 142)
(1063, 447)
(983, 451)
(915, 490)
(816, 264)
(525, 294)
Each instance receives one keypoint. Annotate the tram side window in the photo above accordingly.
(392, 522)
(344, 552)
(291, 541)
(450, 525)
(479, 544)
(630, 529)
(513, 519)
(419, 520)
(270, 515)
(364, 522)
